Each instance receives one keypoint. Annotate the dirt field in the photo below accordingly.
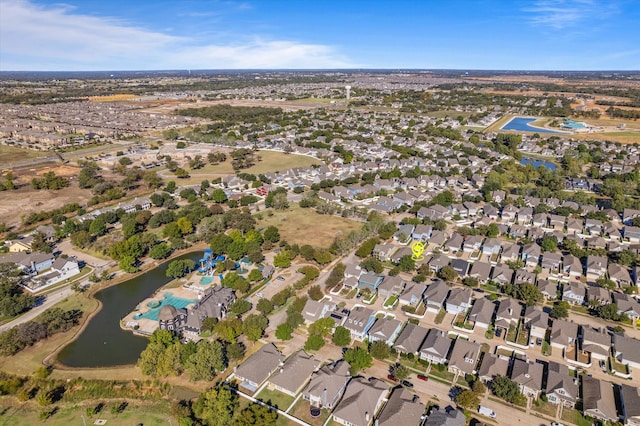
(65, 171)
(301, 226)
(169, 106)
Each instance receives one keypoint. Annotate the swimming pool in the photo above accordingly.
(522, 124)
(169, 299)
(206, 280)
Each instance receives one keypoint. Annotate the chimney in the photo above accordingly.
(366, 416)
(324, 397)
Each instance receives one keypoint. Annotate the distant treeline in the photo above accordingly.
(234, 114)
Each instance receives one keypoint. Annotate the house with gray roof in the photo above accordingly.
(314, 310)
(597, 342)
(537, 321)
(619, 274)
(258, 367)
(464, 357)
(571, 267)
(627, 305)
(442, 417)
(598, 295)
(626, 350)
(574, 293)
(528, 375)
(563, 334)
(561, 387)
(596, 266)
(410, 339)
(481, 271)
(549, 289)
(369, 281)
(385, 330)
(493, 365)
(361, 402)
(598, 400)
(390, 286)
(459, 300)
(359, 322)
(403, 408)
(502, 274)
(327, 385)
(630, 405)
(294, 374)
(435, 296)
(412, 294)
(482, 313)
(508, 313)
(436, 347)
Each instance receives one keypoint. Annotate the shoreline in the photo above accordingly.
(51, 359)
(545, 129)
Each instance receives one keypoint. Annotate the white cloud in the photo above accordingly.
(561, 14)
(34, 37)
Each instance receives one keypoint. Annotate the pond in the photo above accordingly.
(522, 124)
(537, 163)
(103, 343)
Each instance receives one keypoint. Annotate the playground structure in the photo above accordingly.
(208, 262)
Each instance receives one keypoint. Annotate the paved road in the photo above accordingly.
(52, 298)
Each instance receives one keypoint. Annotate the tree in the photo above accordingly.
(322, 327)
(307, 252)
(180, 268)
(608, 311)
(98, 227)
(272, 234)
(228, 329)
(315, 292)
(367, 247)
(549, 243)
(407, 264)
(81, 239)
(314, 343)
(401, 372)
(264, 306)
(505, 388)
(379, 350)
(185, 225)
(470, 282)
(282, 259)
(160, 251)
(467, 399)
(235, 351)
(358, 359)
(560, 310)
(254, 275)
(372, 264)
(341, 336)
(283, 331)
(256, 414)
(447, 273)
(322, 256)
(253, 326)
(240, 306)
(208, 358)
(216, 406)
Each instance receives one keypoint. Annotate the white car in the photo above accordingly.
(486, 411)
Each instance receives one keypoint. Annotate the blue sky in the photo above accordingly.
(274, 34)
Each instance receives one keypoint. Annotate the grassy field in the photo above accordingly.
(17, 413)
(278, 399)
(300, 226)
(10, 154)
(499, 123)
(451, 114)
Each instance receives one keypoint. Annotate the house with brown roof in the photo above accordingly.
(571, 267)
(598, 295)
(619, 274)
(327, 385)
(598, 400)
(481, 271)
(291, 377)
(403, 408)
(537, 321)
(563, 334)
(627, 305)
(596, 266)
(482, 313)
(361, 402)
(508, 313)
(412, 294)
(390, 286)
(459, 300)
(492, 365)
(561, 387)
(596, 342)
(549, 289)
(258, 367)
(385, 330)
(528, 375)
(314, 310)
(435, 347)
(574, 293)
(435, 295)
(444, 417)
(464, 357)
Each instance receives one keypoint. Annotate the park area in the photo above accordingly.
(301, 226)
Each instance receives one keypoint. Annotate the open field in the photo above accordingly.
(15, 413)
(169, 106)
(11, 154)
(300, 226)
(495, 127)
(452, 114)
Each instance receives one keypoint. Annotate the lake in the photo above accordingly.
(537, 163)
(103, 343)
(522, 124)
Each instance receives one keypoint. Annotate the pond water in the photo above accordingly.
(537, 163)
(522, 124)
(103, 343)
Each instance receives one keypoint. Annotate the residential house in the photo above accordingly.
(627, 350)
(491, 246)
(385, 329)
(598, 295)
(369, 281)
(630, 405)
(596, 266)
(359, 322)
(619, 274)
(549, 289)
(574, 293)
(574, 225)
(327, 385)
(557, 222)
(442, 417)
(480, 271)
(528, 376)
(563, 334)
(525, 216)
(552, 262)
(482, 313)
(435, 347)
(464, 357)
(361, 401)
(632, 234)
(412, 294)
(461, 267)
(314, 310)
(522, 276)
(531, 254)
(435, 296)
(510, 252)
(540, 220)
(259, 366)
(390, 286)
(597, 342)
(561, 387)
(454, 244)
(492, 366)
(627, 305)
(571, 267)
(434, 212)
(403, 234)
(294, 374)
(537, 321)
(502, 274)
(410, 339)
(508, 313)
(598, 400)
(422, 233)
(459, 300)
(472, 243)
(438, 262)
(509, 214)
(384, 251)
(403, 408)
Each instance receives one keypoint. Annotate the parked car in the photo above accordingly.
(486, 411)
(423, 377)
(280, 278)
(407, 384)
(538, 341)
(392, 378)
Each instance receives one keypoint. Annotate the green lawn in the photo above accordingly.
(440, 316)
(301, 411)
(575, 417)
(278, 399)
(545, 408)
(10, 154)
